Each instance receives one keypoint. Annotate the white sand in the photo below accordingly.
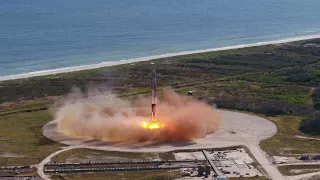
(125, 61)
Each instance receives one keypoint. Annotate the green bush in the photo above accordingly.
(263, 107)
(311, 125)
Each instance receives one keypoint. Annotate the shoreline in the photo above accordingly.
(148, 58)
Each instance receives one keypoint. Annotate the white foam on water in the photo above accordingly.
(147, 58)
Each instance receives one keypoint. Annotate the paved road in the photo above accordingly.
(48, 159)
(261, 157)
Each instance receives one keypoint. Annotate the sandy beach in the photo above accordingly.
(128, 61)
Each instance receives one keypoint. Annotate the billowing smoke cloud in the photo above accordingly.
(104, 116)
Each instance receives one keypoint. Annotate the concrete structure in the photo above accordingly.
(213, 166)
(250, 130)
(200, 170)
(234, 162)
(207, 170)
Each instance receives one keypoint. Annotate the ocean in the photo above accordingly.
(37, 35)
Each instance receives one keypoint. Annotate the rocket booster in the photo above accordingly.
(154, 95)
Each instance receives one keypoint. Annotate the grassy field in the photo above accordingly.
(298, 169)
(85, 155)
(21, 139)
(285, 142)
(141, 175)
(315, 177)
(273, 81)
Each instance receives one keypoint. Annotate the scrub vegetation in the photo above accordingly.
(278, 82)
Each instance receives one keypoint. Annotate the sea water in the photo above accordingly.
(38, 35)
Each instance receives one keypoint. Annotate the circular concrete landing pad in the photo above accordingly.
(236, 129)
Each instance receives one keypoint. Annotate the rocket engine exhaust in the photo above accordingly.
(102, 115)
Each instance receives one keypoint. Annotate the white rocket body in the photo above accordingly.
(153, 95)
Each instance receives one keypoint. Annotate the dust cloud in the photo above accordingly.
(104, 116)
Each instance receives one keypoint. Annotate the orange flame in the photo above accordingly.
(151, 125)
